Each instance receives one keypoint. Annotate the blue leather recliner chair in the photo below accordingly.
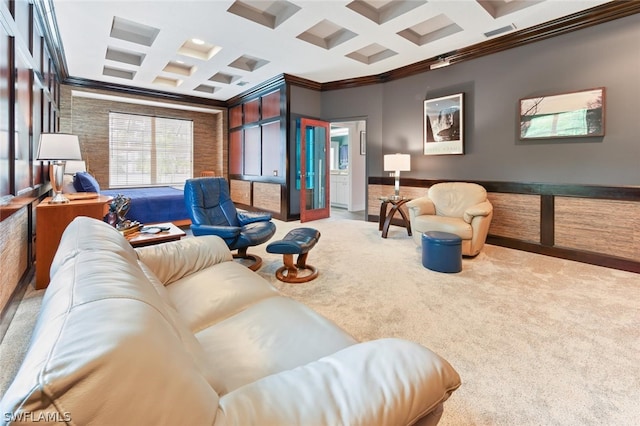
(212, 212)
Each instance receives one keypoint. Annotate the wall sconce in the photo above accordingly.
(397, 163)
(58, 148)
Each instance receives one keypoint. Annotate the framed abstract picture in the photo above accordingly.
(566, 115)
(444, 125)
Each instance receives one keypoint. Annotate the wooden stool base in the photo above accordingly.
(290, 272)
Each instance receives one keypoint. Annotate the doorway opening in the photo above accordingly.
(348, 175)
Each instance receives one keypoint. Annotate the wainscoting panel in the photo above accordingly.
(586, 223)
(377, 191)
(617, 232)
(240, 191)
(515, 216)
(266, 196)
(13, 253)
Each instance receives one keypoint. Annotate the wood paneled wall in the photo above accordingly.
(85, 112)
(586, 223)
(29, 100)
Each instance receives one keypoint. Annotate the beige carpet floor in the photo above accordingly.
(536, 340)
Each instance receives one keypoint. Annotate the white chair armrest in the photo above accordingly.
(420, 206)
(482, 209)
(382, 382)
(174, 260)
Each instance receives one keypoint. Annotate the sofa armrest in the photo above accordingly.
(381, 382)
(172, 261)
(482, 209)
(420, 206)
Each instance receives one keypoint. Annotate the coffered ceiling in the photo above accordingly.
(218, 49)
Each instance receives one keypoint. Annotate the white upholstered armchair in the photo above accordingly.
(460, 208)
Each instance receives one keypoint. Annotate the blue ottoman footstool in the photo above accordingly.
(442, 251)
(297, 241)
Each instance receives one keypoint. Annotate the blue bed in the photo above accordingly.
(154, 204)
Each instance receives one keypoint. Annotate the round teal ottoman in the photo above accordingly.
(442, 251)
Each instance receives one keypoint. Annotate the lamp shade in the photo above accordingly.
(75, 166)
(59, 146)
(399, 162)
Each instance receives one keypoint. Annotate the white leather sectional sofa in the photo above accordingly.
(179, 334)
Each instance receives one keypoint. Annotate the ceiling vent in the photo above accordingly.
(501, 30)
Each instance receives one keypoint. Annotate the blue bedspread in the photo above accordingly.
(155, 204)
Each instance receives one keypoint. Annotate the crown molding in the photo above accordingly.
(577, 21)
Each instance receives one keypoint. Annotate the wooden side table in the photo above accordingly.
(51, 221)
(141, 239)
(385, 218)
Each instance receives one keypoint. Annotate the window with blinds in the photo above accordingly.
(147, 151)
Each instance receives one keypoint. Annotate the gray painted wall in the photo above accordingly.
(606, 55)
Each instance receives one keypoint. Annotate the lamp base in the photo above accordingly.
(59, 199)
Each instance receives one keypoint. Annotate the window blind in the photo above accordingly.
(147, 150)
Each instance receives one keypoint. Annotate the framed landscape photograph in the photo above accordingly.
(567, 115)
(444, 125)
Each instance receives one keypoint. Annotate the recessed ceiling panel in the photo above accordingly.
(430, 30)
(117, 72)
(371, 54)
(181, 68)
(134, 32)
(383, 11)
(498, 8)
(326, 34)
(124, 56)
(248, 63)
(221, 77)
(166, 81)
(267, 13)
(205, 88)
(199, 49)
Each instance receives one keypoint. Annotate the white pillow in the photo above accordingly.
(67, 185)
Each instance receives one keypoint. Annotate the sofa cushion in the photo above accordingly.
(216, 293)
(279, 332)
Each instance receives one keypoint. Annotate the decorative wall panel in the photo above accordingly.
(266, 196)
(515, 216)
(240, 191)
(616, 231)
(13, 253)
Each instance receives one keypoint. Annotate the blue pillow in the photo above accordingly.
(84, 182)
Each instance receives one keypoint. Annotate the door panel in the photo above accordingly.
(313, 168)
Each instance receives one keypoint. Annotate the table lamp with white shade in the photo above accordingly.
(58, 148)
(397, 163)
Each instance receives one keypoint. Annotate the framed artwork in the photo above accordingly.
(444, 125)
(363, 142)
(566, 115)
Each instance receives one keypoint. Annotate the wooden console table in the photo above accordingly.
(51, 221)
(385, 218)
